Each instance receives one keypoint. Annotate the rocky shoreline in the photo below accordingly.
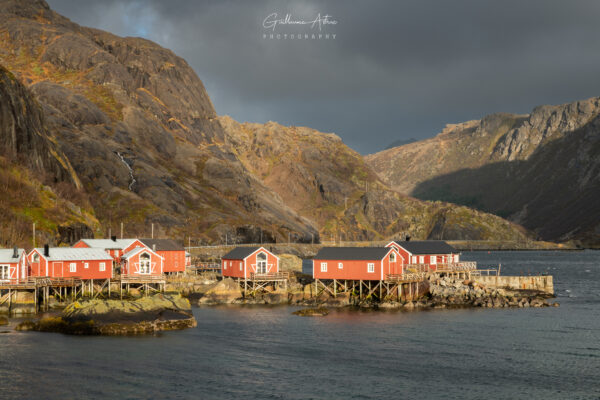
(436, 292)
(146, 315)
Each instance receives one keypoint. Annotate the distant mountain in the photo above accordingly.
(541, 170)
(400, 142)
(122, 130)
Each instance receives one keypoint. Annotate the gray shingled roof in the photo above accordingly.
(352, 253)
(108, 243)
(162, 244)
(239, 253)
(75, 254)
(427, 247)
(6, 255)
(135, 251)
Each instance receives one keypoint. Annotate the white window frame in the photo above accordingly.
(456, 258)
(240, 265)
(102, 267)
(230, 263)
(421, 259)
(4, 272)
(433, 259)
(73, 267)
(414, 259)
(36, 257)
(371, 268)
(392, 257)
(341, 265)
(86, 265)
(323, 267)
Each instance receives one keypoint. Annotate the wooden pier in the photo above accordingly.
(204, 267)
(151, 283)
(261, 282)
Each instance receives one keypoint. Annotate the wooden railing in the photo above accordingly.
(408, 276)
(277, 276)
(141, 278)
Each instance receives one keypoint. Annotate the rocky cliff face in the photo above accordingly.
(330, 184)
(38, 182)
(139, 129)
(541, 170)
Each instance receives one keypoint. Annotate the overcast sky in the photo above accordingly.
(395, 70)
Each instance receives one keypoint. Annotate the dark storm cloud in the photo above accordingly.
(396, 69)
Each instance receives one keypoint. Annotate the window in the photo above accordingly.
(433, 259)
(102, 266)
(421, 260)
(340, 265)
(393, 257)
(371, 267)
(86, 265)
(414, 259)
(456, 258)
(230, 263)
(36, 257)
(73, 267)
(4, 272)
(323, 267)
(225, 265)
(240, 265)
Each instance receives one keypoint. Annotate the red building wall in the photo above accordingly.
(232, 268)
(357, 269)
(174, 260)
(129, 266)
(62, 269)
(16, 270)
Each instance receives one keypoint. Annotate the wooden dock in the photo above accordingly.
(150, 283)
(261, 282)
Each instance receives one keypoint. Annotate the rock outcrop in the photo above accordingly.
(541, 170)
(114, 317)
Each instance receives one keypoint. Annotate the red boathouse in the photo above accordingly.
(244, 262)
(67, 262)
(13, 265)
(356, 263)
(173, 254)
(141, 262)
(427, 253)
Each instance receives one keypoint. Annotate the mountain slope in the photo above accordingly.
(330, 184)
(146, 147)
(541, 170)
(38, 182)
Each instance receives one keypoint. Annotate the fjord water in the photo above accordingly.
(265, 352)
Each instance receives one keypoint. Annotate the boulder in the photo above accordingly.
(290, 263)
(227, 291)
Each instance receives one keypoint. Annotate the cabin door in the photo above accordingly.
(261, 263)
(57, 269)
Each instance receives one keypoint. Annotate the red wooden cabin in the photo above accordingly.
(173, 254)
(356, 263)
(65, 262)
(242, 262)
(141, 261)
(429, 253)
(13, 265)
(113, 246)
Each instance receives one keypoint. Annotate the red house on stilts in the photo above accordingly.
(245, 262)
(173, 254)
(13, 265)
(68, 262)
(142, 262)
(426, 254)
(356, 263)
